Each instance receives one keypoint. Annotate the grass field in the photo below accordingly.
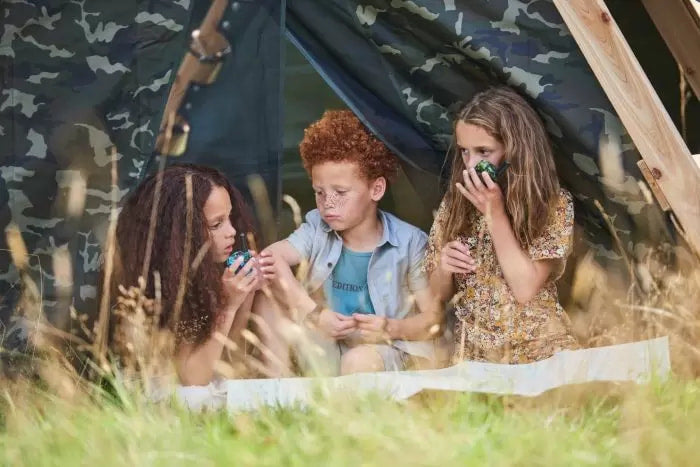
(611, 425)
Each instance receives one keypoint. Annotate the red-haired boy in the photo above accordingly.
(364, 264)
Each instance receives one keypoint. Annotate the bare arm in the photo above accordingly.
(455, 258)
(445, 259)
(424, 325)
(285, 251)
(441, 284)
(524, 276)
(195, 364)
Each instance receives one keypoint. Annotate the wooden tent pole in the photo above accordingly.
(640, 109)
(679, 25)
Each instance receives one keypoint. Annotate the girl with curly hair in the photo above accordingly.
(497, 246)
(366, 302)
(212, 298)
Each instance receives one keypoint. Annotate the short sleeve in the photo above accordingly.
(556, 239)
(417, 278)
(432, 251)
(302, 238)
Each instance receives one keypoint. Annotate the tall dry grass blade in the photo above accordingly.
(224, 369)
(102, 329)
(263, 208)
(199, 257)
(154, 211)
(31, 304)
(158, 296)
(610, 160)
(63, 274)
(684, 94)
(253, 339)
(620, 246)
(49, 330)
(296, 210)
(17, 247)
(285, 328)
(303, 269)
(77, 194)
(683, 235)
(184, 276)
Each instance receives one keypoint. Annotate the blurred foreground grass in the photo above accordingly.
(601, 425)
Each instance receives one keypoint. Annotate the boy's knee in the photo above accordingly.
(362, 359)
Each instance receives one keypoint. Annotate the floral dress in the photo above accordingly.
(490, 324)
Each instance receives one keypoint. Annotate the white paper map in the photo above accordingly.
(636, 362)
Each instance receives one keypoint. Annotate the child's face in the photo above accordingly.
(343, 195)
(217, 212)
(476, 145)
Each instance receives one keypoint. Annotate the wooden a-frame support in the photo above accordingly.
(672, 169)
(678, 22)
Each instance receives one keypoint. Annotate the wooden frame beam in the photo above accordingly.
(679, 25)
(639, 108)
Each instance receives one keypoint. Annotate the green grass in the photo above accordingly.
(582, 426)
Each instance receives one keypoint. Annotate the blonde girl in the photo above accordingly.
(497, 247)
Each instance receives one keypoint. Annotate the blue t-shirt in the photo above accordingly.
(346, 287)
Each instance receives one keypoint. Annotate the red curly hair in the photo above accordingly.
(339, 136)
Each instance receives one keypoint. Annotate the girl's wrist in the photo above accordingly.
(234, 302)
(497, 218)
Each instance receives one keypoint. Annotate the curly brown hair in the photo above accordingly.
(204, 294)
(339, 136)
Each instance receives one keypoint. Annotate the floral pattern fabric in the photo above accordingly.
(490, 324)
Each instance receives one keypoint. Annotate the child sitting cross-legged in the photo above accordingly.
(366, 302)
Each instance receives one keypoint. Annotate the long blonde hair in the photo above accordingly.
(530, 184)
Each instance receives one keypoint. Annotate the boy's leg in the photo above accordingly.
(368, 358)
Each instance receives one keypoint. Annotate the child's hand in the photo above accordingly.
(237, 285)
(336, 325)
(270, 266)
(278, 276)
(372, 327)
(456, 259)
(482, 192)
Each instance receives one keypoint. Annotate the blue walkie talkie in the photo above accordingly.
(244, 251)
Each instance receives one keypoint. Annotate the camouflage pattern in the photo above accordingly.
(424, 58)
(78, 76)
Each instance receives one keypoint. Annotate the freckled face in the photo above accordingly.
(475, 145)
(343, 195)
(217, 212)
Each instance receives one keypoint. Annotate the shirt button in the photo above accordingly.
(330, 265)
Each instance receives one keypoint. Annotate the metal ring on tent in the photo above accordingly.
(214, 58)
(196, 46)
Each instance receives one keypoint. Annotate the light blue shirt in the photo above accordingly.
(394, 272)
(346, 288)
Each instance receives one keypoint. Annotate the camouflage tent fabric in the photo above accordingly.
(79, 76)
(75, 82)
